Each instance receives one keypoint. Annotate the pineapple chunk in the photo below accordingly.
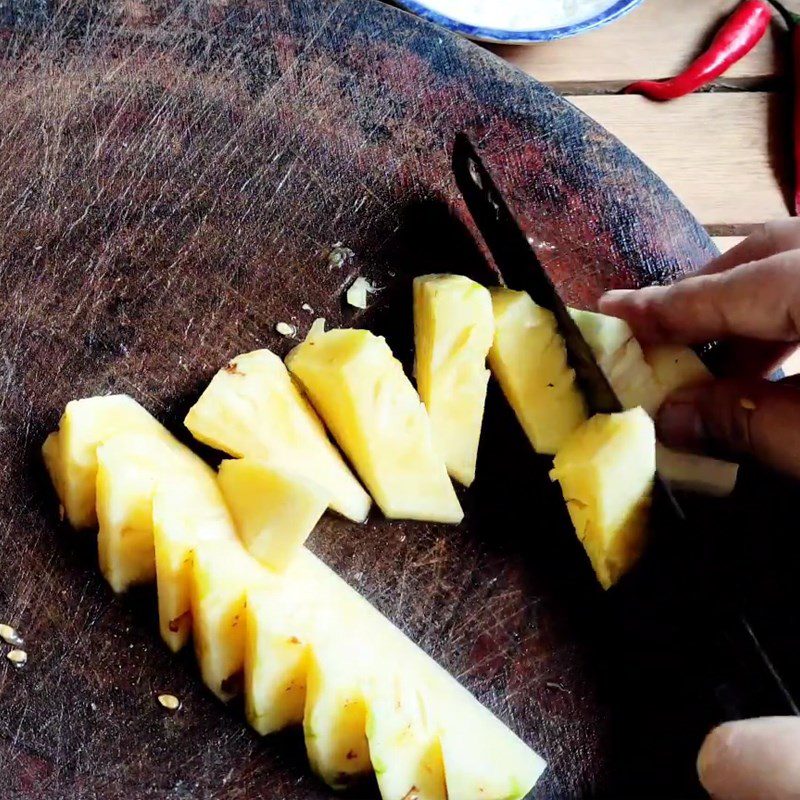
(335, 716)
(71, 460)
(129, 468)
(280, 623)
(371, 408)
(187, 511)
(620, 357)
(403, 741)
(252, 408)
(274, 510)
(645, 378)
(223, 574)
(529, 360)
(453, 331)
(675, 366)
(606, 471)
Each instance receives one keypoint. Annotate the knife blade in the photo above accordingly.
(521, 270)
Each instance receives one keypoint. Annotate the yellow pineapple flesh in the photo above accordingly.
(360, 390)
(252, 408)
(275, 511)
(71, 453)
(130, 467)
(529, 360)
(606, 470)
(188, 510)
(453, 331)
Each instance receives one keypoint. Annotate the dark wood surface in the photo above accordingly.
(173, 179)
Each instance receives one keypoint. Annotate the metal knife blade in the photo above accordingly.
(522, 270)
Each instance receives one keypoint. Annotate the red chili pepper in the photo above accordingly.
(793, 23)
(737, 37)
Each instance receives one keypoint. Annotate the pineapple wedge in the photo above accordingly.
(622, 360)
(404, 745)
(529, 360)
(645, 378)
(252, 408)
(129, 469)
(335, 718)
(187, 512)
(274, 510)
(71, 454)
(223, 574)
(606, 470)
(453, 331)
(370, 406)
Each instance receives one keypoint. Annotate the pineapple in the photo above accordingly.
(371, 408)
(223, 574)
(274, 510)
(529, 360)
(252, 408)
(621, 358)
(675, 366)
(71, 454)
(187, 511)
(280, 621)
(335, 716)
(404, 745)
(453, 331)
(129, 468)
(606, 470)
(645, 378)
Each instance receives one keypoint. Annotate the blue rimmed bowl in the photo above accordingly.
(484, 25)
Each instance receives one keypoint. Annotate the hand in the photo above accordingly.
(750, 295)
(758, 759)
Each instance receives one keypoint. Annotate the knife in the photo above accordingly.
(521, 270)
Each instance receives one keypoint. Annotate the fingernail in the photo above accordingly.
(614, 297)
(679, 422)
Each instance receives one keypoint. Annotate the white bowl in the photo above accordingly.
(519, 21)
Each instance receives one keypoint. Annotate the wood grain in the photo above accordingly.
(725, 155)
(654, 41)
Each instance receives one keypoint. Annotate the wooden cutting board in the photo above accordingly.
(174, 179)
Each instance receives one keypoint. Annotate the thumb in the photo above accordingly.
(756, 759)
(756, 418)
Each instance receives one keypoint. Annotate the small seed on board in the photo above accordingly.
(747, 404)
(17, 657)
(10, 636)
(169, 701)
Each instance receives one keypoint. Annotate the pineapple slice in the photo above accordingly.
(645, 378)
(223, 574)
(453, 331)
(675, 366)
(335, 719)
(71, 458)
(129, 468)
(274, 510)
(622, 360)
(404, 744)
(187, 511)
(252, 408)
(280, 625)
(529, 360)
(606, 471)
(371, 408)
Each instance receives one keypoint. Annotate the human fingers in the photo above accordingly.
(755, 759)
(756, 418)
(758, 300)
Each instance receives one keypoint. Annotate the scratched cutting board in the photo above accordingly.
(174, 178)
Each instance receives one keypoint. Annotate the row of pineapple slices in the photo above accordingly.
(226, 549)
